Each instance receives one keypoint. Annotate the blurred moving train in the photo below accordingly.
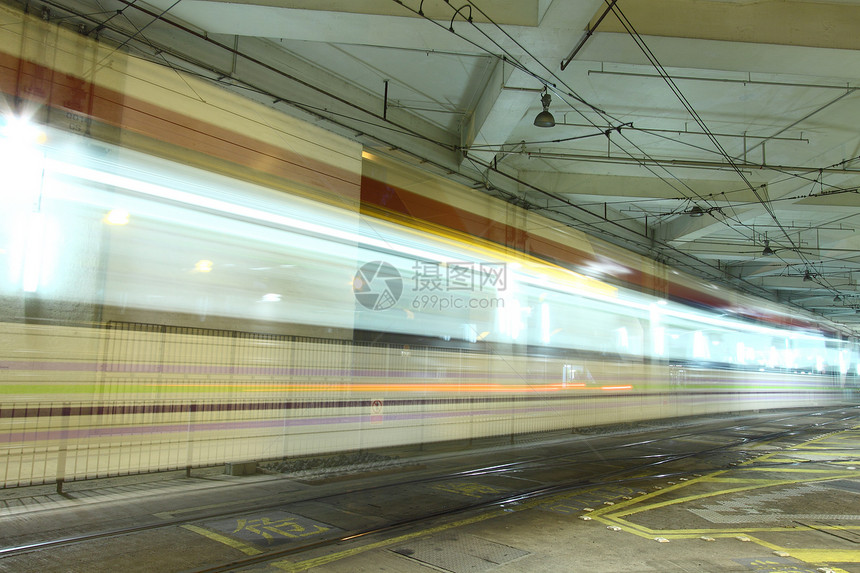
(171, 297)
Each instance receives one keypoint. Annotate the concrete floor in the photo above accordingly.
(789, 511)
(789, 507)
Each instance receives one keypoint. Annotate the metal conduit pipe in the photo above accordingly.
(683, 162)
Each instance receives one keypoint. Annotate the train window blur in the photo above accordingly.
(133, 227)
(164, 278)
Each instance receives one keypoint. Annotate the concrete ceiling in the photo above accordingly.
(696, 132)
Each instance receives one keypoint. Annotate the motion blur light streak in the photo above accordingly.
(123, 183)
(21, 131)
(216, 319)
(544, 323)
(117, 217)
(34, 253)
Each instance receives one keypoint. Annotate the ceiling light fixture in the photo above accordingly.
(807, 276)
(545, 118)
(767, 250)
(695, 211)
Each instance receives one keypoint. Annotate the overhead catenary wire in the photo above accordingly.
(324, 113)
(674, 88)
(552, 85)
(640, 42)
(559, 82)
(739, 224)
(309, 107)
(628, 26)
(509, 58)
(329, 115)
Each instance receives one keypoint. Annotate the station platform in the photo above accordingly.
(784, 505)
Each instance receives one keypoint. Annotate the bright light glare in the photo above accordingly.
(34, 253)
(21, 131)
(203, 266)
(700, 345)
(623, 338)
(514, 318)
(789, 357)
(509, 318)
(233, 209)
(772, 358)
(470, 332)
(544, 322)
(117, 217)
(23, 164)
(659, 335)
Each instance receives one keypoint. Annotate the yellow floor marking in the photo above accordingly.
(615, 514)
(758, 485)
(820, 447)
(317, 561)
(749, 480)
(642, 530)
(826, 555)
(234, 543)
(612, 515)
(798, 470)
(814, 557)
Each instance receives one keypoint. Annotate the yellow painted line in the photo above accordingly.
(806, 555)
(750, 480)
(325, 559)
(612, 515)
(824, 439)
(234, 543)
(826, 555)
(715, 532)
(668, 502)
(705, 495)
(800, 470)
(824, 446)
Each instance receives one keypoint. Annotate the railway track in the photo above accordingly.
(446, 489)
